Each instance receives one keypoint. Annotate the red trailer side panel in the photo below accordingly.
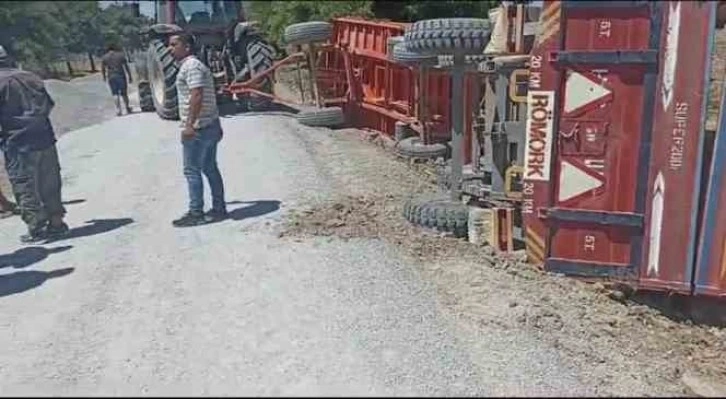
(540, 132)
(710, 273)
(588, 141)
(673, 189)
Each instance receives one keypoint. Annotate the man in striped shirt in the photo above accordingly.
(201, 132)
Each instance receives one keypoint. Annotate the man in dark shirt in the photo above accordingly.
(115, 70)
(28, 143)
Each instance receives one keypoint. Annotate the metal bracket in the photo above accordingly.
(633, 220)
(586, 269)
(598, 5)
(645, 57)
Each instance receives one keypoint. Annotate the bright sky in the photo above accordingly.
(145, 7)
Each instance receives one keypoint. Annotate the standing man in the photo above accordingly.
(31, 159)
(115, 70)
(201, 132)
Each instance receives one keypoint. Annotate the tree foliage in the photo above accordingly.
(39, 32)
(274, 16)
(410, 11)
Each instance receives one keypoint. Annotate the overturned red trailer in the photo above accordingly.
(615, 139)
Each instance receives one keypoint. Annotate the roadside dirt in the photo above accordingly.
(625, 348)
(621, 344)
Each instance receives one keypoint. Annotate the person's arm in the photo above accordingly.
(195, 107)
(3, 101)
(195, 80)
(103, 68)
(128, 72)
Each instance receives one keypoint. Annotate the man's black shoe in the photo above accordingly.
(190, 219)
(56, 231)
(34, 237)
(215, 215)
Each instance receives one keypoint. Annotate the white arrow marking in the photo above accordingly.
(671, 56)
(656, 224)
(574, 181)
(580, 91)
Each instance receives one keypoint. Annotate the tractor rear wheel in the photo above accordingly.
(260, 57)
(162, 80)
(146, 101)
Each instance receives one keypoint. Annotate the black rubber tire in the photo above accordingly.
(440, 214)
(449, 36)
(394, 40)
(447, 61)
(412, 147)
(146, 103)
(260, 58)
(308, 32)
(322, 117)
(141, 66)
(403, 55)
(162, 72)
(390, 42)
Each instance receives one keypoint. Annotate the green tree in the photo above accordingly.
(411, 11)
(274, 16)
(37, 33)
(34, 32)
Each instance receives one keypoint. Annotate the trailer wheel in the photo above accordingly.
(449, 36)
(308, 32)
(322, 117)
(403, 55)
(473, 60)
(260, 56)
(162, 79)
(413, 147)
(146, 103)
(440, 214)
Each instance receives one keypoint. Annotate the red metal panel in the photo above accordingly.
(710, 273)
(388, 91)
(586, 126)
(677, 146)
(536, 185)
(598, 141)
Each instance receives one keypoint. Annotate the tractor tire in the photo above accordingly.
(308, 32)
(412, 147)
(146, 102)
(402, 55)
(260, 58)
(162, 79)
(449, 36)
(322, 117)
(442, 214)
(447, 60)
(390, 42)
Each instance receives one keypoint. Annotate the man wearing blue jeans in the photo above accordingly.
(200, 135)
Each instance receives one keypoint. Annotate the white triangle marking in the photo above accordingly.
(580, 91)
(574, 181)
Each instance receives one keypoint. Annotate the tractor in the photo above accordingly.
(224, 41)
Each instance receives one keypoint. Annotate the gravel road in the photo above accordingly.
(129, 305)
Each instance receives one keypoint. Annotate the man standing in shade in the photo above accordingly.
(115, 70)
(201, 132)
(31, 159)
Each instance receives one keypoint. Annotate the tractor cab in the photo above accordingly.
(230, 47)
(191, 15)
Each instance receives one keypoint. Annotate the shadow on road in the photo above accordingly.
(25, 257)
(18, 282)
(230, 109)
(253, 209)
(74, 202)
(95, 226)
